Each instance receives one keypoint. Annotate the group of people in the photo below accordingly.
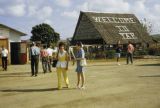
(44, 54)
(62, 57)
(129, 55)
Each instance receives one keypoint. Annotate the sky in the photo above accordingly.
(63, 15)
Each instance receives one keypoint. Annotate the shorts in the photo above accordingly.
(118, 55)
(79, 68)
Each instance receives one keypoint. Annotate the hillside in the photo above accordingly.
(156, 37)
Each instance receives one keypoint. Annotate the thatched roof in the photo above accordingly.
(96, 28)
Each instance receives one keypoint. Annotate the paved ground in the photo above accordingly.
(108, 86)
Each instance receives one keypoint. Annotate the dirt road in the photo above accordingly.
(108, 86)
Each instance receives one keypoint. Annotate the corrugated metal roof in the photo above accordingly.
(21, 33)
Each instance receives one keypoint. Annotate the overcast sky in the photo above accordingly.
(62, 15)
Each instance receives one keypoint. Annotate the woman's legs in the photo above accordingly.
(65, 76)
(83, 79)
(59, 71)
(118, 57)
(118, 60)
(78, 79)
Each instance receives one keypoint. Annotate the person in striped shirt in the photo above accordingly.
(130, 50)
(44, 58)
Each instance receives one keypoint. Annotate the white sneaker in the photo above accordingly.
(83, 87)
(78, 87)
(118, 64)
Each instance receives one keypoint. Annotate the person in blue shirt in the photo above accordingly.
(34, 57)
(118, 53)
(80, 55)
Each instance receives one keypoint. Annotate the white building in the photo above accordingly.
(12, 34)
(9, 35)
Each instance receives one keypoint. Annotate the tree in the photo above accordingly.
(44, 33)
(147, 25)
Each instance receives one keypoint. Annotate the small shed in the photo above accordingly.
(10, 38)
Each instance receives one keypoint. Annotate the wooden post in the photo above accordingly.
(104, 50)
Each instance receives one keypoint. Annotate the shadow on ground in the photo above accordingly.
(150, 76)
(150, 64)
(6, 76)
(18, 74)
(14, 73)
(101, 65)
(34, 90)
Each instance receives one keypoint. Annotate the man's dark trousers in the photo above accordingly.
(49, 63)
(129, 56)
(44, 64)
(4, 63)
(34, 64)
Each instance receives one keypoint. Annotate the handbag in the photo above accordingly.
(83, 62)
(54, 63)
(55, 60)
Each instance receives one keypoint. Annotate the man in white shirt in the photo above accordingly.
(50, 53)
(4, 55)
(34, 52)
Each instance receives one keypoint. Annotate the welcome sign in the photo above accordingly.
(120, 25)
(96, 28)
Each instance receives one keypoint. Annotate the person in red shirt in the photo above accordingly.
(130, 50)
(44, 58)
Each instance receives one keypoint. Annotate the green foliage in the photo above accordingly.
(110, 53)
(44, 33)
(123, 54)
(154, 51)
(141, 52)
(150, 51)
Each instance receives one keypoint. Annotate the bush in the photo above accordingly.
(154, 51)
(141, 52)
(110, 54)
(123, 54)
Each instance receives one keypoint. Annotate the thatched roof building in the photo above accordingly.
(99, 28)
